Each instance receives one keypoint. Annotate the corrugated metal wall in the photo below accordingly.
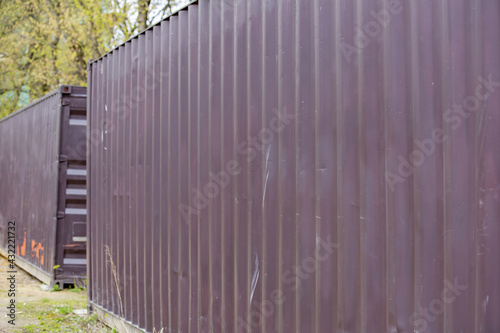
(42, 185)
(29, 144)
(300, 166)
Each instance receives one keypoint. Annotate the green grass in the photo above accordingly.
(65, 309)
(75, 289)
(56, 315)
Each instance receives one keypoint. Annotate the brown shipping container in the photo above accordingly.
(299, 166)
(43, 186)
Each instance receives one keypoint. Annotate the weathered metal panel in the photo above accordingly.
(299, 166)
(42, 185)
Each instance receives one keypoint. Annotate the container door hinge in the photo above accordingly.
(63, 158)
(61, 215)
(65, 102)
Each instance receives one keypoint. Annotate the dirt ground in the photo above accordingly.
(44, 311)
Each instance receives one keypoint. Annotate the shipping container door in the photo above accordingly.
(71, 228)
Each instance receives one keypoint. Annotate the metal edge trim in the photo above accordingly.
(88, 147)
(58, 182)
(114, 321)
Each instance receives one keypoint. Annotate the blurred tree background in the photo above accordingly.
(45, 43)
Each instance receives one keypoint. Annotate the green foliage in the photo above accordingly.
(45, 43)
(75, 289)
(55, 288)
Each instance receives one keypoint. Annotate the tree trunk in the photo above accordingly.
(142, 19)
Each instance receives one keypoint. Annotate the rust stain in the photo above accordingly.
(23, 247)
(37, 249)
(67, 246)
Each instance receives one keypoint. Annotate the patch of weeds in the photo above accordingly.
(75, 289)
(79, 284)
(55, 288)
(59, 318)
(54, 313)
(65, 309)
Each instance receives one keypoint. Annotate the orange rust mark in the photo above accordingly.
(69, 246)
(23, 247)
(38, 249)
